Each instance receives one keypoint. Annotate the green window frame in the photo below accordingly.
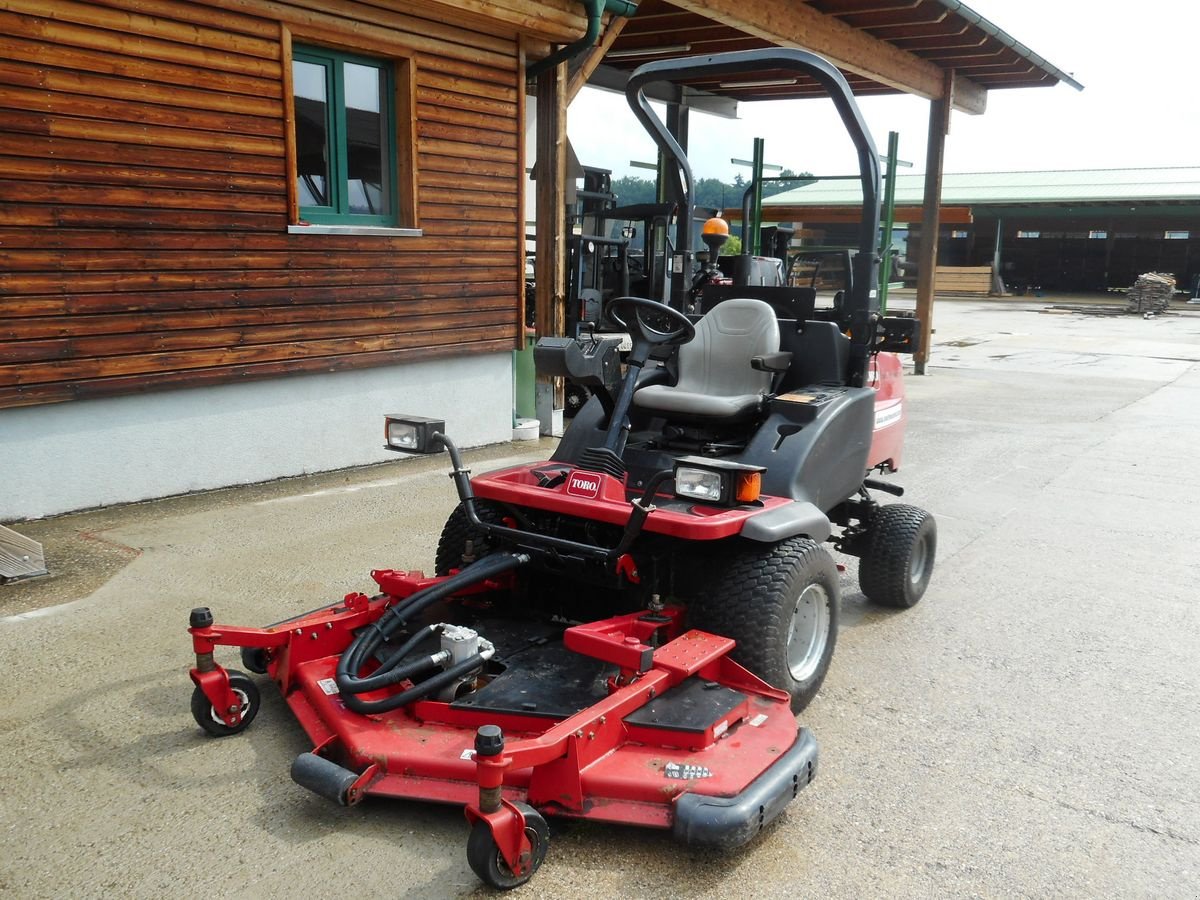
(336, 170)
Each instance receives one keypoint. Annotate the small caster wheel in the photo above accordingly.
(255, 659)
(488, 863)
(208, 719)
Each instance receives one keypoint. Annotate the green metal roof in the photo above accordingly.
(1181, 184)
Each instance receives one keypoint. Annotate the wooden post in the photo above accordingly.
(939, 127)
(550, 264)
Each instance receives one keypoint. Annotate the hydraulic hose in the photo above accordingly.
(390, 672)
(417, 691)
(369, 640)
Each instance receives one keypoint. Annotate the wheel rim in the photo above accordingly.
(502, 864)
(809, 632)
(243, 706)
(919, 562)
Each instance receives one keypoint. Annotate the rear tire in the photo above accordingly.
(458, 530)
(575, 397)
(896, 568)
(780, 603)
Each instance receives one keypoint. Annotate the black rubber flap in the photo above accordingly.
(693, 706)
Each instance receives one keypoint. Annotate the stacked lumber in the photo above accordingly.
(1151, 293)
(963, 280)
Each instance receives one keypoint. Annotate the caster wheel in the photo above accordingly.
(488, 863)
(206, 717)
(255, 659)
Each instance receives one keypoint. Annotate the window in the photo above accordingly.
(345, 138)
(1029, 234)
(1176, 235)
(1097, 235)
(955, 233)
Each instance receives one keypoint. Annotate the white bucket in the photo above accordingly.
(527, 430)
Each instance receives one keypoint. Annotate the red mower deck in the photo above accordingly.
(682, 737)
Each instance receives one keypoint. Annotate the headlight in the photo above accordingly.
(413, 434)
(717, 481)
(699, 484)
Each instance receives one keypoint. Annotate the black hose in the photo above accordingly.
(369, 640)
(417, 691)
(388, 673)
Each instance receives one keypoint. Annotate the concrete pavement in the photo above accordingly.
(1030, 729)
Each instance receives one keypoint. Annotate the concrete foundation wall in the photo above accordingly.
(81, 454)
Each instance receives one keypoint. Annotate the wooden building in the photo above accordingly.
(233, 233)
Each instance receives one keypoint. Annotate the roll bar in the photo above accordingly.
(862, 305)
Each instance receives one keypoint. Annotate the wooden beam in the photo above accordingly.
(939, 127)
(289, 125)
(790, 24)
(616, 24)
(821, 215)
(556, 21)
(550, 264)
(522, 187)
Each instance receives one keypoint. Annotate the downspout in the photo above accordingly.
(595, 11)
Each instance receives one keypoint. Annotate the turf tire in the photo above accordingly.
(896, 568)
(458, 530)
(751, 596)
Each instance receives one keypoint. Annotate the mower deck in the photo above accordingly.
(629, 720)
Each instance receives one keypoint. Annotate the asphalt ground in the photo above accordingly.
(1029, 729)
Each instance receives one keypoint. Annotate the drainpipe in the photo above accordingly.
(595, 10)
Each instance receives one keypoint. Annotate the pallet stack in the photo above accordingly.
(1151, 293)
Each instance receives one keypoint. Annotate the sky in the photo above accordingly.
(1139, 107)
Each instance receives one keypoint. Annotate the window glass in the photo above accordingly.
(310, 85)
(366, 139)
(345, 147)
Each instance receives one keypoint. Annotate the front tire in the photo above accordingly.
(452, 545)
(897, 566)
(780, 603)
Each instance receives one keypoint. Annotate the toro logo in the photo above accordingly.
(580, 485)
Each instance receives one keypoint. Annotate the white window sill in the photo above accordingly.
(381, 230)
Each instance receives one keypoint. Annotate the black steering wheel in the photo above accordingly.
(633, 315)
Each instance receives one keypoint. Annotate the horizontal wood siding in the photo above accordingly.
(144, 198)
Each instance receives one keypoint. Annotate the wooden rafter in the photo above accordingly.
(797, 24)
(616, 25)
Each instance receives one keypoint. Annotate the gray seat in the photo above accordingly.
(716, 382)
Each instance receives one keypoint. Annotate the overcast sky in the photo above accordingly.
(1139, 65)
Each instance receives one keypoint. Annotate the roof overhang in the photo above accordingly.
(881, 46)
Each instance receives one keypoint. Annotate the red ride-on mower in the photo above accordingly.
(625, 631)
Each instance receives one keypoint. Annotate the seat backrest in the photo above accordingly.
(820, 354)
(717, 360)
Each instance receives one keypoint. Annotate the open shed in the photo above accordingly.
(1079, 230)
(235, 231)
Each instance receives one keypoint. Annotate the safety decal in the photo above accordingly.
(757, 720)
(329, 686)
(467, 754)
(686, 771)
(888, 415)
